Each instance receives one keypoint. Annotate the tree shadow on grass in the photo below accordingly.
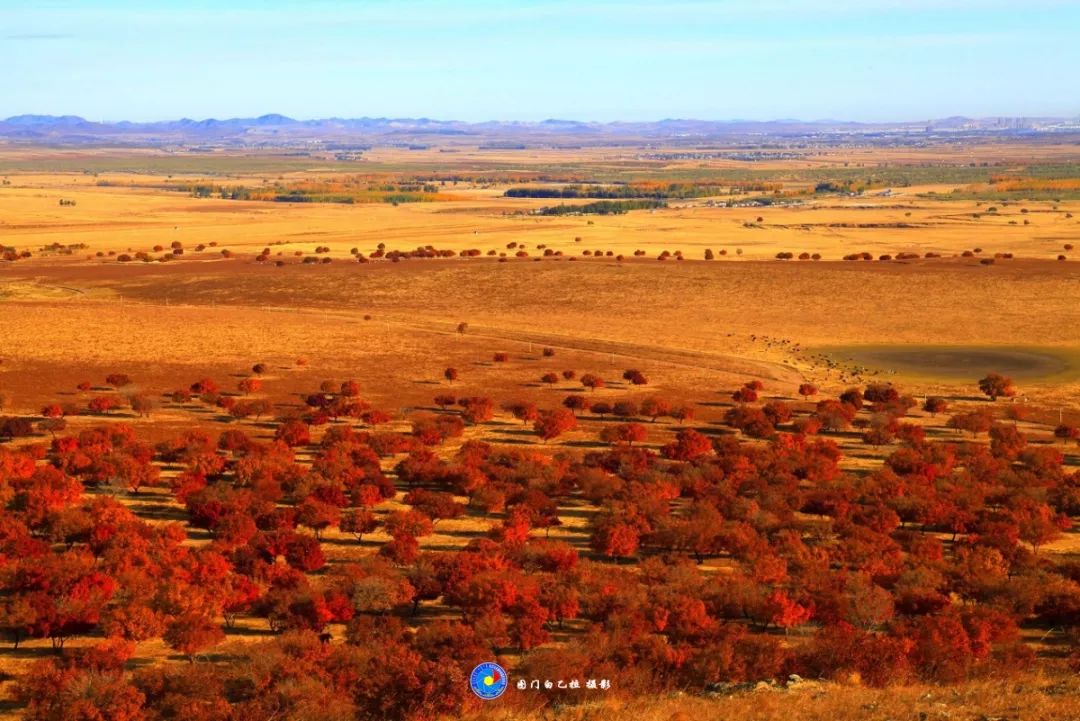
(577, 512)
(460, 532)
(447, 547)
(30, 652)
(247, 632)
(351, 542)
(160, 512)
(585, 444)
(717, 430)
(511, 441)
(198, 534)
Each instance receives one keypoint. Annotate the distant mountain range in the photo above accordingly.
(279, 130)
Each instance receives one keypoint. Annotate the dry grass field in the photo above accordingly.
(697, 328)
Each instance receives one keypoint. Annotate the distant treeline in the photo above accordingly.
(297, 197)
(603, 207)
(614, 192)
(395, 198)
(347, 192)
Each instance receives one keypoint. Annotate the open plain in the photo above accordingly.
(919, 269)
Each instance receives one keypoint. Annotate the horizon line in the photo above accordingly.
(552, 119)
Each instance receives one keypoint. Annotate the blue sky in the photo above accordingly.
(536, 59)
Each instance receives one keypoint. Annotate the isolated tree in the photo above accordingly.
(550, 378)
(974, 422)
(834, 415)
(477, 409)
(807, 389)
(601, 409)
(1067, 432)
(575, 403)
(102, 404)
(996, 385)
(451, 375)
(52, 426)
(777, 412)
(628, 433)
(688, 445)
(142, 405)
(682, 413)
(744, 395)
(411, 522)
(852, 397)
(246, 409)
(592, 382)
(808, 426)
(358, 521)
(552, 424)
(204, 386)
(751, 421)
(935, 405)
(180, 395)
(635, 377)
(435, 429)
(1017, 412)
(878, 436)
(881, 393)
(524, 411)
(437, 505)
(118, 380)
(249, 385)
(655, 407)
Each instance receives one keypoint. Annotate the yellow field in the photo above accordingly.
(700, 314)
(697, 329)
(124, 219)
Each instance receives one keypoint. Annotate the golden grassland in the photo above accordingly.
(690, 324)
(699, 324)
(123, 218)
(1046, 697)
(697, 329)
